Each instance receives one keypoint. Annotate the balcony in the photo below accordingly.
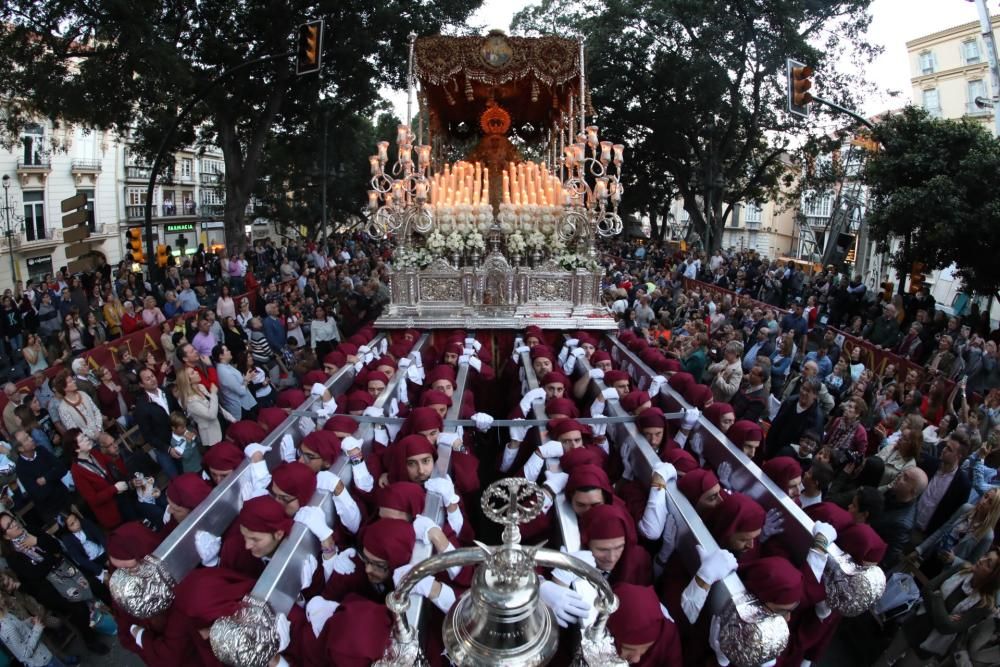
(973, 109)
(85, 166)
(137, 172)
(172, 210)
(210, 178)
(753, 224)
(213, 210)
(137, 212)
(184, 178)
(21, 240)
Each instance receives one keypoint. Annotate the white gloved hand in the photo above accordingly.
(473, 343)
(284, 628)
(572, 342)
(318, 612)
(519, 433)
(373, 411)
(422, 526)
(413, 375)
(658, 383)
(691, 417)
(399, 573)
(403, 364)
(610, 394)
(326, 481)
(208, 547)
(254, 448)
(565, 576)
(568, 366)
(468, 351)
(358, 365)
(529, 399)
(307, 425)
(565, 603)
(476, 363)
(309, 566)
(418, 359)
(287, 448)
(596, 374)
(318, 389)
(578, 353)
(381, 436)
(350, 443)
(597, 407)
(448, 439)
(713, 642)
(313, 519)
(774, 524)
(715, 566)
(443, 487)
(666, 471)
(483, 421)
(826, 530)
(343, 563)
(725, 474)
(556, 481)
(464, 359)
(551, 450)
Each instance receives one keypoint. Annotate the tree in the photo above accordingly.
(933, 185)
(695, 90)
(131, 66)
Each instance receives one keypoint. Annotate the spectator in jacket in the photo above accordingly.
(883, 331)
(964, 538)
(85, 544)
(274, 330)
(76, 409)
(796, 415)
(152, 415)
(99, 482)
(761, 347)
(726, 375)
(751, 401)
(696, 362)
(201, 404)
(948, 486)
(234, 395)
(899, 513)
(40, 473)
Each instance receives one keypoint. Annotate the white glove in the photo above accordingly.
(572, 342)
(596, 374)
(309, 566)
(565, 603)
(287, 448)
(358, 365)
(413, 375)
(464, 359)
(656, 385)
(208, 547)
(529, 399)
(519, 433)
(473, 343)
(318, 389)
(343, 563)
(556, 481)
(666, 471)
(318, 612)
(443, 487)
(284, 628)
(399, 573)
(578, 353)
(326, 481)
(403, 364)
(551, 450)
(691, 417)
(313, 519)
(567, 577)
(373, 411)
(483, 421)
(381, 436)
(713, 641)
(826, 530)
(568, 366)
(715, 566)
(253, 448)
(418, 359)
(447, 438)
(476, 363)
(774, 524)
(307, 425)
(350, 443)
(610, 394)
(468, 351)
(597, 407)
(522, 349)
(724, 473)
(422, 526)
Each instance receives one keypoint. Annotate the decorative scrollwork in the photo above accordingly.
(248, 638)
(145, 590)
(512, 501)
(853, 591)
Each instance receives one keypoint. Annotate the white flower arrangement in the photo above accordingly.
(475, 241)
(516, 243)
(536, 240)
(572, 261)
(437, 244)
(555, 242)
(455, 242)
(411, 258)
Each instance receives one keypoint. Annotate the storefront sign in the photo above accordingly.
(180, 227)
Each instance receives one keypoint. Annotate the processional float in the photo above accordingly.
(495, 201)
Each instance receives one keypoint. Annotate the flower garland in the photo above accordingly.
(572, 261)
(437, 244)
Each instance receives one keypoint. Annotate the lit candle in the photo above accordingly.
(605, 151)
(373, 200)
(373, 163)
(424, 155)
(402, 134)
(619, 148)
(383, 151)
(421, 192)
(592, 136)
(578, 153)
(601, 188)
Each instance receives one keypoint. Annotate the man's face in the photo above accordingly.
(740, 542)
(375, 388)
(750, 447)
(450, 358)
(952, 453)
(542, 366)
(445, 387)
(376, 569)
(582, 501)
(148, 380)
(554, 390)
(190, 354)
(571, 440)
(605, 365)
(261, 545)
(622, 387)
(607, 552)
(806, 398)
(287, 500)
(654, 435)
(25, 444)
(810, 369)
(710, 499)
(420, 467)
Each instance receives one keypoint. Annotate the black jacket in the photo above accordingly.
(153, 421)
(49, 498)
(77, 554)
(789, 424)
(894, 526)
(956, 495)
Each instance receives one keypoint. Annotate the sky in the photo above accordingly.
(894, 22)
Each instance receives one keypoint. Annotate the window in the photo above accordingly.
(211, 166)
(970, 52)
(91, 209)
(753, 212)
(932, 102)
(187, 167)
(85, 144)
(136, 196)
(34, 215)
(976, 88)
(928, 63)
(32, 138)
(210, 196)
(818, 206)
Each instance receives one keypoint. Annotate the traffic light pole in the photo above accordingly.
(168, 137)
(836, 107)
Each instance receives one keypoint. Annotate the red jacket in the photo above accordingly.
(99, 491)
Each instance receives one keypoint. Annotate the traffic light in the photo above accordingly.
(799, 77)
(161, 256)
(309, 54)
(917, 277)
(135, 244)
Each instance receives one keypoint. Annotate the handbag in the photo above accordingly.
(70, 583)
(900, 597)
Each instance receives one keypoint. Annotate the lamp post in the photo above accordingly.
(9, 225)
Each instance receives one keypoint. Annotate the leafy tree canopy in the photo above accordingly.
(131, 66)
(934, 186)
(696, 90)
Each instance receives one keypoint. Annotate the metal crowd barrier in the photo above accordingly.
(148, 589)
(851, 589)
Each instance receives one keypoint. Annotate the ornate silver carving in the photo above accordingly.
(145, 590)
(750, 634)
(247, 638)
(403, 654)
(551, 289)
(599, 652)
(512, 501)
(853, 589)
(441, 289)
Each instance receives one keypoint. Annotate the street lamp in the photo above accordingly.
(9, 225)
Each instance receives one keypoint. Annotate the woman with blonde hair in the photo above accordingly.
(200, 404)
(965, 537)
(151, 313)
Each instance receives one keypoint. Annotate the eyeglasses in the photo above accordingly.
(309, 456)
(282, 498)
(378, 565)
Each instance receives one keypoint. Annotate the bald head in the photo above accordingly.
(10, 389)
(910, 484)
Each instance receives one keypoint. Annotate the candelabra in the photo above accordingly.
(591, 210)
(397, 201)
